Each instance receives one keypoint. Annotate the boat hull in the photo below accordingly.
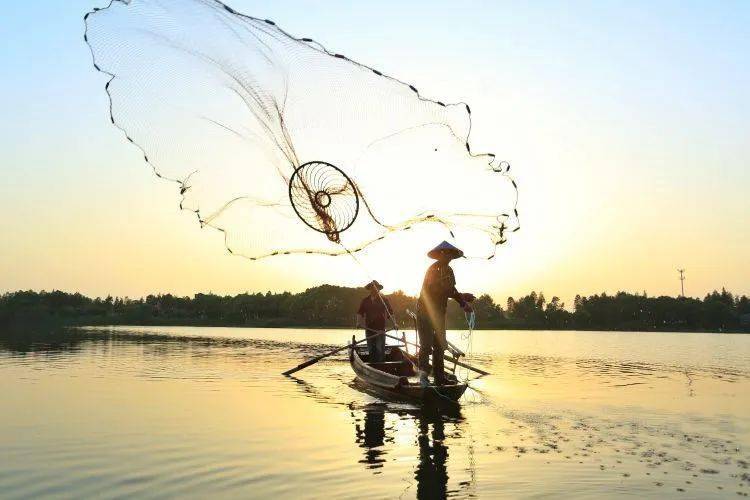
(397, 378)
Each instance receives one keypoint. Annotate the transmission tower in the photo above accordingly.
(682, 281)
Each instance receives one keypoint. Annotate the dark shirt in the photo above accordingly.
(374, 311)
(438, 286)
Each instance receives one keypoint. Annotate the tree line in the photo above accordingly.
(335, 306)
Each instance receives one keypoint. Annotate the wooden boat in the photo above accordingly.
(398, 377)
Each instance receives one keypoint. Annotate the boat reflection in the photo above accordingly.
(375, 433)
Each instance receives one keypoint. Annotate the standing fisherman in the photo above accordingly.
(439, 285)
(371, 315)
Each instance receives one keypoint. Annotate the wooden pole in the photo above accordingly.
(466, 365)
(456, 351)
(451, 359)
(312, 361)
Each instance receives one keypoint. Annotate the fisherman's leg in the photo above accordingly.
(440, 333)
(438, 351)
(426, 344)
(380, 348)
(438, 369)
(371, 347)
(425, 333)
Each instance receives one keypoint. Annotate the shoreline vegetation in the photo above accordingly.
(329, 306)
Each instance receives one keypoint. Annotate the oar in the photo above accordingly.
(466, 365)
(312, 361)
(447, 358)
(458, 352)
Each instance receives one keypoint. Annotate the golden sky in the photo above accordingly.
(629, 147)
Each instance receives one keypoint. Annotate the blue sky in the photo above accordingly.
(626, 124)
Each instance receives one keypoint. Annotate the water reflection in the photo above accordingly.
(375, 426)
(432, 471)
(210, 415)
(371, 436)
(24, 341)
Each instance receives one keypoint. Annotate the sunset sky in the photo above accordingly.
(627, 125)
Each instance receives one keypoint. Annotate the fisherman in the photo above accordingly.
(372, 314)
(439, 285)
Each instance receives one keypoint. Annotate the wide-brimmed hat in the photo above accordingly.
(445, 248)
(375, 284)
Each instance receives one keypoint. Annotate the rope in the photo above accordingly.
(468, 337)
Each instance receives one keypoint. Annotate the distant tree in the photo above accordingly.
(329, 305)
(528, 310)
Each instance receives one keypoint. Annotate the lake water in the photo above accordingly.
(197, 412)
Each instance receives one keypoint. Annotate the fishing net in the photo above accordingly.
(287, 147)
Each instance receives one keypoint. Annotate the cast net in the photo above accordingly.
(286, 147)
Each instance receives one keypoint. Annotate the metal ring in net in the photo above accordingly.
(324, 197)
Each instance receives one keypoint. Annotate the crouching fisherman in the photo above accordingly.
(439, 285)
(372, 314)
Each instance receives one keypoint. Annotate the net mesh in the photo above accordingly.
(285, 146)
